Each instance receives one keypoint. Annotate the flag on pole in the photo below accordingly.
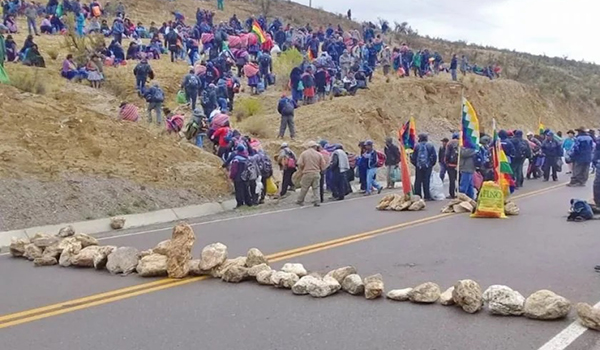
(406, 185)
(469, 136)
(502, 169)
(541, 127)
(260, 34)
(310, 55)
(408, 134)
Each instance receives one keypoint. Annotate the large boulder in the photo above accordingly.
(179, 253)
(235, 274)
(373, 286)
(86, 240)
(588, 316)
(217, 272)
(53, 251)
(325, 287)
(92, 256)
(255, 257)
(353, 284)
(398, 294)
(256, 269)
(152, 265)
(42, 240)
(304, 284)
(426, 293)
(117, 223)
(32, 252)
(66, 231)
(264, 277)
(446, 297)
(502, 300)
(296, 269)
(69, 247)
(162, 248)
(45, 261)
(282, 279)
(212, 256)
(122, 260)
(467, 294)
(195, 268)
(341, 273)
(546, 305)
(17, 246)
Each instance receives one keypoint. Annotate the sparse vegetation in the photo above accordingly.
(28, 81)
(257, 127)
(53, 53)
(283, 65)
(249, 107)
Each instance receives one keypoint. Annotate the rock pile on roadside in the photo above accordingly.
(401, 202)
(461, 204)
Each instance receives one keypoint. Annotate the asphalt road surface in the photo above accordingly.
(85, 309)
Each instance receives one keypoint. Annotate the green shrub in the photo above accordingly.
(249, 107)
(53, 53)
(28, 81)
(283, 65)
(256, 126)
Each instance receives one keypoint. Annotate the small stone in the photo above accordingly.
(418, 205)
(146, 252)
(255, 257)
(195, 268)
(235, 274)
(86, 240)
(66, 231)
(373, 286)
(324, 287)
(304, 284)
(467, 294)
(341, 273)
(546, 305)
(69, 248)
(426, 293)
(296, 269)
(180, 251)
(123, 260)
(264, 277)
(17, 246)
(117, 223)
(502, 300)
(217, 272)
(446, 298)
(45, 261)
(152, 265)
(42, 240)
(398, 294)
(588, 316)
(282, 279)
(213, 255)
(256, 269)
(162, 247)
(32, 251)
(353, 284)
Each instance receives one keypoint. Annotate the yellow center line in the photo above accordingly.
(144, 288)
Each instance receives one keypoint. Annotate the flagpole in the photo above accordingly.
(462, 98)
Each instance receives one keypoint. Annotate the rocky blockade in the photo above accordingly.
(399, 202)
(173, 258)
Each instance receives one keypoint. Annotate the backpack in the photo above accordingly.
(453, 157)
(193, 83)
(251, 171)
(381, 158)
(158, 95)
(265, 165)
(422, 156)
(265, 60)
(522, 149)
(288, 108)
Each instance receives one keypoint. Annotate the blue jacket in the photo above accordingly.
(582, 149)
(282, 103)
(453, 63)
(371, 159)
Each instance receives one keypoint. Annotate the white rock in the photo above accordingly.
(341, 273)
(255, 257)
(588, 316)
(304, 284)
(353, 284)
(92, 256)
(398, 294)
(264, 277)
(179, 252)
(42, 240)
(324, 287)
(70, 247)
(217, 272)
(427, 293)
(162, 248)
(17, 246)
(502, 300)
(212, 256)
(546, 305)
(235, 274)
(446, 298)
(86, 240)
(282, 279)
(117, 223)
(256, 269)
(296, 269)
(45, 261)
(467, 294)
(32, 252)
(123, 260)
(373, 286)
(152, 265)
(66, 231)
(195, 268)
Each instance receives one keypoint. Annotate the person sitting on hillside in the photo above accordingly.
(128, 112)
(94, 26)
(104, 28)
(11, 24)
(69, 69)
(11, 49)
(141, 31)
(94, 71)
(57, 25)
(46, 26)
(26, 46)
(133, 52)
(117, 51)
(33, 58)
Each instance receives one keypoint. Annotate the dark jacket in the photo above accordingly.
(521, 144)
(430, 150)
(392, 154)
(143, 70)
(582, 148)
(551, 148)
(282, 103)
(238, 165)
(596, 158)
(442, 155)
(467, 160)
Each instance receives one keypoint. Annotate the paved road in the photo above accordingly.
(536, 250)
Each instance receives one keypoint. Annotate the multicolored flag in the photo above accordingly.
(541, 127)
(260, 34)
(406, 184)
(469, 136)
(408, 134)
(502, 169)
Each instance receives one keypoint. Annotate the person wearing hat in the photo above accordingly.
(240, 177)
(581, 156)
(287, 163)
(311, 164)
(451, 163)
(197, 128)
(423, 158)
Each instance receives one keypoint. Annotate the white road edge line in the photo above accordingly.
(565, 338)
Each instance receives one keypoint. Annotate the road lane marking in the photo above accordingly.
(565, 338)
(144, 288)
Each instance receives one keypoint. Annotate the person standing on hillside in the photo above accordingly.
(423, 158)
(221, 5)
(117, 30)
(286, 108)
(311, 164)
(155, 98)
(392, 159)
(31, 15)
(142, 72)
(191, 86)
(386, 62)
(416, 64)
(451, 162)
(464, 64)
(349, 14)
(453, 67)
(522, 152)
(581, 156)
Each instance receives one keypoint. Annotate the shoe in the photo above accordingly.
(570, 185)
(597, 268)
(317, 204)
(379, 190)
(554, 180)
(450, 197)
(300, 203)
(545, 180)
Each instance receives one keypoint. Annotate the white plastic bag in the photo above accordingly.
(259, 185)
(436, 187)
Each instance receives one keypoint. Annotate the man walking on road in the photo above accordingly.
(392, 159)
(596, 164)
(371, 159)
(310, 163)
(339, 166)
(423, 158)
(450, 164)
(581, 156)
(286, 107)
